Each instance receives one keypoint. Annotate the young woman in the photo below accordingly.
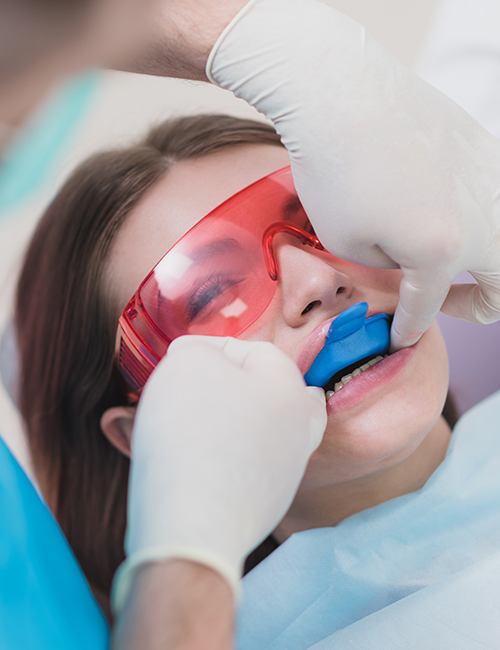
(115, 217)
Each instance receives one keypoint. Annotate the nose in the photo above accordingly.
(310, 286)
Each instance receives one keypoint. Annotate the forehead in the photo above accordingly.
(184, 195)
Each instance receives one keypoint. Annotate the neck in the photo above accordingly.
(330, 504)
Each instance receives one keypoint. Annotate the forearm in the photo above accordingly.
(176, 605)
(181, 37)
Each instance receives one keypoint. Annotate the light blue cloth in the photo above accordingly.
(460, 613)
(409, 573)
(45, 601)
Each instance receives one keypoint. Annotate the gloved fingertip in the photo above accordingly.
(319, 417)
(403, 335)
(317, 394)
(398, 342)
(317, 430)
(236, 351)
(178, 343)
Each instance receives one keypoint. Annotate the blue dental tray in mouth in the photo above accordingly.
(352, 338)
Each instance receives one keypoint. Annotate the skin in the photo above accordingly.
(177, 605)
(388, 443)
(180, 37)
(62, 44)
(171, 38)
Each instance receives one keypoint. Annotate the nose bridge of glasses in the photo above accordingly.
(288, 232)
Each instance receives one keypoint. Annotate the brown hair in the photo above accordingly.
(66, 333)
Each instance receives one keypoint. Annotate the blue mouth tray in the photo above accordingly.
(351, 338)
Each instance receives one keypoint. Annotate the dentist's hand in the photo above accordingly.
(222, 437)
(390, 171)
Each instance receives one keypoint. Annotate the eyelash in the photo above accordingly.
(211, 288)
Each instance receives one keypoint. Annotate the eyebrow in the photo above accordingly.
(216, 247)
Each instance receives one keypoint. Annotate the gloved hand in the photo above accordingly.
(222, 437)
(390, 171)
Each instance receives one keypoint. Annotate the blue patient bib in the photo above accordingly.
(45, 601)
(418, 572)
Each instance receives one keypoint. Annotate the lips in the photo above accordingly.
(313, 345)
(371, 382)
(316, 340)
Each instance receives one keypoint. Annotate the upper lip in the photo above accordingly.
(316, 340)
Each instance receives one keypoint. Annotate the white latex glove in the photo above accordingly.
(391, 172)
(222, 437)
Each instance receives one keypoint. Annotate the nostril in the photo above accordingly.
(341, 290)
(311, 305)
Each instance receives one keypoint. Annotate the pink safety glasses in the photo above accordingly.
(217, 280)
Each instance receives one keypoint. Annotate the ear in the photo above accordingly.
(117, 424)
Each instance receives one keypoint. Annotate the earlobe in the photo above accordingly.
(117, 424)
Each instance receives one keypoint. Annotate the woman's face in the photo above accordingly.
(368, 430)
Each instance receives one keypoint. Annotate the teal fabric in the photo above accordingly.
(398, 572)
(45, 601)
(32, 156)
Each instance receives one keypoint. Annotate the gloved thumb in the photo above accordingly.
(318, 416)
(479, 303)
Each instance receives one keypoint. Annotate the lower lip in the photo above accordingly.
(370, 381)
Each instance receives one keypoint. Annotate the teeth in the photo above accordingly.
(347, 378)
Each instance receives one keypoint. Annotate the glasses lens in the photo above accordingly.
(215, 280)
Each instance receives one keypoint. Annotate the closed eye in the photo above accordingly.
(212, 287)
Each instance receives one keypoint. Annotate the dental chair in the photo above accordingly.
(45, 601)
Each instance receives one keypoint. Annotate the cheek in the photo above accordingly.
(373, 281)
(381, 286)
(388, 430)
(264, 328)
